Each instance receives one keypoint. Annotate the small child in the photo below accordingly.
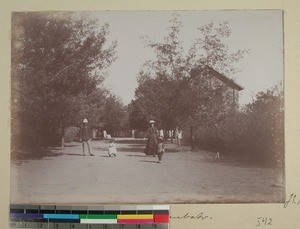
(112, 151)
(160, 149)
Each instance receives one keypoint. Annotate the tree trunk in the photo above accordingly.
(62, 134)
(62, 141)
(177, 136)
(192, 138)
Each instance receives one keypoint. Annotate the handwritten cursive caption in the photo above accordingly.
(292, 200)
(189, 216)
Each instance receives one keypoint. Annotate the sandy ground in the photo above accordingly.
(65, 176)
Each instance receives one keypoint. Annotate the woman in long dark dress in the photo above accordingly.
(152, 139)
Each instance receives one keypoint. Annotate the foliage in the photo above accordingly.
(114, 115)
(58, 60)
(254, 134)
(103, 110)
(168, 92)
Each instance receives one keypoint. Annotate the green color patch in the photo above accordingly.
(100, 216)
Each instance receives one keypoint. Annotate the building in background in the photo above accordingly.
(227, 88)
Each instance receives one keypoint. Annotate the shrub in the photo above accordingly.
(71, 134)
(254, 134)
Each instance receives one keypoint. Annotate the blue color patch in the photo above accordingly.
(61, 216)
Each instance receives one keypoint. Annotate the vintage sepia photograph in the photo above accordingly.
(147, 107)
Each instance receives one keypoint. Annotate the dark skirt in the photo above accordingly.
(151, 147)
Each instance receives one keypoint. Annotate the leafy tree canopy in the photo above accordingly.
(166, 89)
(58, 61)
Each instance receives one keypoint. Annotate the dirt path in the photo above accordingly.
(65, 176)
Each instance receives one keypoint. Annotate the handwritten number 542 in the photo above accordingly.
(263, 221)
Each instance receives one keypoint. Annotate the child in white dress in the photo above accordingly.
(112, 151)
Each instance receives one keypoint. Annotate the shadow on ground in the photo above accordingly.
(18, 156)
(147, 161)
(136, 155)
(172, 150)
(133, 141)
(131, 149)
(100, 148)
(73, 154)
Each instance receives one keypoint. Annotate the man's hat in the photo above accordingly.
(152, 121)
(85, 120)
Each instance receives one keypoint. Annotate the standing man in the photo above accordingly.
(85, 136)
(152, 139)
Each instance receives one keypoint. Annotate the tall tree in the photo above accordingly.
(166, 88)
(114, 114)
(55, 58)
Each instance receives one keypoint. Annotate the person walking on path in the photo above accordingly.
(160, 148)
(152, 139)
(85, 136)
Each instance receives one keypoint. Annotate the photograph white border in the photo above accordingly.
(224, 215)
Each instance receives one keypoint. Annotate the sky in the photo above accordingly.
(259, 31)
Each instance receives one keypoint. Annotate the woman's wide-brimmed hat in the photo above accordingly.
(152, 121)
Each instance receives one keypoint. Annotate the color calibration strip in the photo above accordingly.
(153, 215)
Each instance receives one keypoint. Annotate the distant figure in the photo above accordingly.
(179, 136)
(112, 151)
(152, 139)
(160, 149)
(217, 156)
(94, 133)
(85, 136)
(104, 134)
(108, 136)
(161, 133)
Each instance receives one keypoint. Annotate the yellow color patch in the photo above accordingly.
(148, 216)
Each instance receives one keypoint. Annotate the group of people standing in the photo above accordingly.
(155, 143)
